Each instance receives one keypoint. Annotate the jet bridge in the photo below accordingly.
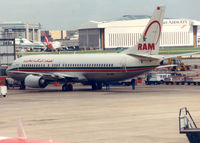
(187, 126)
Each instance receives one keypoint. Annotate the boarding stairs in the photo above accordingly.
(187, 126)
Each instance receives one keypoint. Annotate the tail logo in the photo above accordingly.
(149, 46)
(144, 39)
(153, 22)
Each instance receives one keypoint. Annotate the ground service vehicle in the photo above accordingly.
(156, 78)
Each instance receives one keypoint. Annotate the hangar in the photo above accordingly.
(17, 29)
(125, 33)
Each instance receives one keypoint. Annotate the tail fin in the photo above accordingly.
(149, 42)
(48, 44)
(46, 39)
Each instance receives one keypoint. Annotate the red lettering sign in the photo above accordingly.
(149, 46)
(139, 46)
(145, 46)
(39, 61)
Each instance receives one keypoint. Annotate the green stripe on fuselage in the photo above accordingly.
(79, 68)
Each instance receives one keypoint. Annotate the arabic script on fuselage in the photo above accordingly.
(39, 61)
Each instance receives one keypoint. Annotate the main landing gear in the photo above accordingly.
(67, 87)
(97, 85)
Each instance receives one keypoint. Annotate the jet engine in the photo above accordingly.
(35, 81)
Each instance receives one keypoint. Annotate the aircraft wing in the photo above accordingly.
(146, 57)
(57, 76)
(179, 55)
(52, 76)
(159, 57)
(22, 140)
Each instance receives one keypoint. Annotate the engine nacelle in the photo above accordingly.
(35, 81)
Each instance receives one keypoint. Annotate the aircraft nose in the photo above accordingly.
(8, 69)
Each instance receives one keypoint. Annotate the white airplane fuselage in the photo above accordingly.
(37, 71)
(87, 67)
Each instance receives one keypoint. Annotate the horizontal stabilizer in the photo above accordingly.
(167, 66)
(146, 57)
(179, 55)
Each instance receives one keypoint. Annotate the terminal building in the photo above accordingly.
(19, 29)
(125, 33)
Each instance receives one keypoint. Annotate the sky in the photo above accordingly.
(70, 14)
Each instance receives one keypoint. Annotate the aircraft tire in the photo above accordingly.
(94, 86)
(69, 87)
(64, 88)
(22, 86)
(99, 85)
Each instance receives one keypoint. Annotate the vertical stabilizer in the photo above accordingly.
(149, 42)
(46, 39)
(48, 44)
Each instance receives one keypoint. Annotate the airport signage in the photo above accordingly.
(175, 22)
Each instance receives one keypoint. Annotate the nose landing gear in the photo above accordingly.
(22, 86)
(67, 87)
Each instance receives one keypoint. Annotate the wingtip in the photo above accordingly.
(20, 130)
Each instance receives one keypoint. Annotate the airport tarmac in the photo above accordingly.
(147, 115)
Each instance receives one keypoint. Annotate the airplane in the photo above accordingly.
(23, 44)
(51, 45)
(94, 69)
(21, 140)
(21, 137)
